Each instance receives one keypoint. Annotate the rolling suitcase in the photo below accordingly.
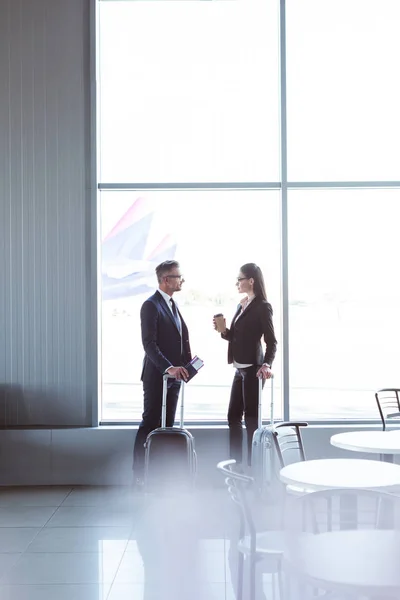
(263, 456)
(170, 457)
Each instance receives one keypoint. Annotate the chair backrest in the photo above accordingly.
(288, 442)
(342, 509)
(388, 402)
(239, 486)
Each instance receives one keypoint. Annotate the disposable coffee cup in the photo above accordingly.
(220, 322)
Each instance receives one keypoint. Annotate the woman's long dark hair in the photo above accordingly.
(252, 271)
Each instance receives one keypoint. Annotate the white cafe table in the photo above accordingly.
(326, 473)
(356, 562)
(385, 443)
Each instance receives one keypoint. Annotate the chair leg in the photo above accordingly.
(239, 591)
(252, 577)
(281, 583)
(273, 586)
(330, 512)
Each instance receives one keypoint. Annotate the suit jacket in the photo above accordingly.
(244, 335)
(161, 338)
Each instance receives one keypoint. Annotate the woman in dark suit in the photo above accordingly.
(252, 321)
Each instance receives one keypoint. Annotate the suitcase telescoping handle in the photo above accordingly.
(164, 401)
(260, 389)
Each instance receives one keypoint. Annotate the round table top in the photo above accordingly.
(328, 473)
(362, 559)
(377, 442)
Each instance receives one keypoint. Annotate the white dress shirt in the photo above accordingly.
(168, 299)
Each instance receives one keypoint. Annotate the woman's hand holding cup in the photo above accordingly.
(219, 323)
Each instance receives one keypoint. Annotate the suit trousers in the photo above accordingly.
(151, 417)
(244, 400)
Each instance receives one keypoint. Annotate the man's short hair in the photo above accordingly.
(165, 267)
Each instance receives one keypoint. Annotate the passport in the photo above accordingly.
(193, 367)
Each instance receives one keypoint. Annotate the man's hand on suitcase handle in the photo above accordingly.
(264, 372)
(178, 372)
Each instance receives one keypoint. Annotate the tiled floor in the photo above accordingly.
(110, 543)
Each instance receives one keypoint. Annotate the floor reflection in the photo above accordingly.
(178, 563)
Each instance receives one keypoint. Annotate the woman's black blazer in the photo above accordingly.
(246, 331)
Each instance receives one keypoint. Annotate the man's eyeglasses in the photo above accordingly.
(241, 279)
(174, 276)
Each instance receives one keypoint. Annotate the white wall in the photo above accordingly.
(103, 456)
(44, 212)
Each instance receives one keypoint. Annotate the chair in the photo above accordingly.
(388, 402)
(289, 447)
(256, 546)
(287, 439)
(345, 542)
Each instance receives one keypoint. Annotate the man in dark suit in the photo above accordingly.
(165, 340)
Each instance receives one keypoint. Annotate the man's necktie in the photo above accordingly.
(175, 313)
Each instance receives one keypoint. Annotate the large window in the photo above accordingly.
(138, 232)
(253, 130)
(344, 300)
(189, 91)
(343, 92)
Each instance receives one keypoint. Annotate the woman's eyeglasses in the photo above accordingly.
(241, 279)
